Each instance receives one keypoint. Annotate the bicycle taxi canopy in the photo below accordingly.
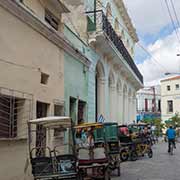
(46, 135)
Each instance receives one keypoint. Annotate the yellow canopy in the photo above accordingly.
(88, 125)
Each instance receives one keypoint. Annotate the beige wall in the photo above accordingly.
(28, 54)
(36, 7)
(22, 45)
(173, 95)
(13, 155)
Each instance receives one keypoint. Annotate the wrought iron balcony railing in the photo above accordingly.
(110, 32)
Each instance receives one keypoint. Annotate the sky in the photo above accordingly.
(157, 35)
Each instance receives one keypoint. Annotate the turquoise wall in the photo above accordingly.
(76, 82)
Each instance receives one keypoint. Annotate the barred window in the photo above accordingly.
(14, 114)
(9, 108)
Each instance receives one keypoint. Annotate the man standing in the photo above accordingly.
(171, 135)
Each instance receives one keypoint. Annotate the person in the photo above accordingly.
(171, 135)
(90, 138)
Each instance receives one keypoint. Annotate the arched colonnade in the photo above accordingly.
(115, 99)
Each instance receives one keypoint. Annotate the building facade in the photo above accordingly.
(170, 97)
(113, 77)
(149, 103)
(62, 58)
(32, 52)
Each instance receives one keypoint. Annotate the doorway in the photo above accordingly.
(72, 108)
(81, 111)
(41, 111)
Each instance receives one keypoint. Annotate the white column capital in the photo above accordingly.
(112, 87)
(119, 92)
(102, 80)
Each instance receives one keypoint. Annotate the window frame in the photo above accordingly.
(51, 19)
(168, 87)
(170, 109)
(176, 86)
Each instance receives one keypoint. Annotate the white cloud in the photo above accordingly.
(150, 16)
(165, 52)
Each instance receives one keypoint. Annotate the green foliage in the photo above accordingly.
(174, 121)
(157, 122)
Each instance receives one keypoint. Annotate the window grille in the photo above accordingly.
(14, 114)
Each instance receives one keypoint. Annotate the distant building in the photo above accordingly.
(148, 103)
(170, 93)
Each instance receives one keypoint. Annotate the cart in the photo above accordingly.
(91, 154)
(112, 146)
(51, 148)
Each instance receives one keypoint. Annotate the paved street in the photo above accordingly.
(161, 167)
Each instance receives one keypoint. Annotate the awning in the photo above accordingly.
(53, 121)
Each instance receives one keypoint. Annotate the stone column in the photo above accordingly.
(131, 110)
(101, 96)
(124, 121)
(134, 108)
(112, 103)
(126, 109)
(119, 107)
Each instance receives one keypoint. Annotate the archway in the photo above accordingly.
(99, 90)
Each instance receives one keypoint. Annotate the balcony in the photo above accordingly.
(101, 24)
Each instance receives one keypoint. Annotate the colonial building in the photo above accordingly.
(170, 97)
(149, 103)
(71, 57)
(32, 52)
(113, 77)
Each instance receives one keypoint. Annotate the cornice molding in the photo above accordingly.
(57, 38)
(127, 19)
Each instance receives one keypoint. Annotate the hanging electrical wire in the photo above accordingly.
(175, 13)
(172, 20)
(141, 46)
(153, 58)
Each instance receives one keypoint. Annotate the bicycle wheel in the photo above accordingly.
(124, 155)
(171, 149)
(150, 153)
(134, 156)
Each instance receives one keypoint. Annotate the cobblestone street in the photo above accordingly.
(161, 167)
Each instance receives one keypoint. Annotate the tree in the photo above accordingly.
(175, 120)
(157, 122)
